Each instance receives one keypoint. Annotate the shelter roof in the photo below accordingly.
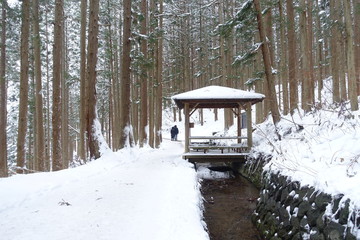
(216, 97)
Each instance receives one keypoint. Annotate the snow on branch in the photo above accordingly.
(248, 55)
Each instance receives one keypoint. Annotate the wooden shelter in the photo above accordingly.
(217, 97)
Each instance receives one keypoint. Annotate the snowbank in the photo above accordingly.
(319, 149)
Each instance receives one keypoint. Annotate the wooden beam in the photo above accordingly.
(187, 126)
(239, 123)
(193, 110)
(249, 125)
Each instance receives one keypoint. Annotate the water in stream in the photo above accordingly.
(229, 202)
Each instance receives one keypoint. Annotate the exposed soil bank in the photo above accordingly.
(229, 204)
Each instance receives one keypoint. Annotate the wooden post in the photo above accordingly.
(187, 126)
(239, 123)
(174, 113)
(249, 124)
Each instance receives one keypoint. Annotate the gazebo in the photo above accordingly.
(217, 97)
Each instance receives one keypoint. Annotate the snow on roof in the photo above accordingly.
(218, 92)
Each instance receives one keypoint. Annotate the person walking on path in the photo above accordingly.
(174, 132)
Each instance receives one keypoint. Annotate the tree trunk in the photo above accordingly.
(93, 125)
(3, 95)
(143, 79)
(319, 57)
(83, 83)
(267, 64)
(65, 102)
(309, 49)
(48, 130)
(351, 76)
(151, 90)
(334, 52)
(135, 107)
(268, 33)
(283, 66)
(158, 120)
(39, 128)
(112, 92)
(116, 90)
(342, 70)
(24, 87)
(356, 5)
(57, 157)
(305, 89)
(292, 56)
(125, 137)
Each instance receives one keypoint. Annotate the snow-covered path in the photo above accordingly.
(130, 194)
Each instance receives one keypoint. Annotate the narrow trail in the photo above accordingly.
(229, 204)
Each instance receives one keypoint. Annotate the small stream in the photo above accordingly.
(229, 203)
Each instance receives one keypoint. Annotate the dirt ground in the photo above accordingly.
(229, 204)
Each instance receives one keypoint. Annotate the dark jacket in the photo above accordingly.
(174, 131)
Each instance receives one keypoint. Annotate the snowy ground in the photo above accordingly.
(154, 194)
(131, 194)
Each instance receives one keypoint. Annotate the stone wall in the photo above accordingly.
(287, 210)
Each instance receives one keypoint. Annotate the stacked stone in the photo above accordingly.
(286, 210)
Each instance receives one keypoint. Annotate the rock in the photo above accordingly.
(334, 231)
(289, 201)
(283, 234)
(344, 213)
(284, 195)
(312, 216)
(260, 208)
(336, 201)
(278, 206)
(283, 181)
(334, 235)
(304, 207)
(277, 194)
(283, 214)
(322, 200)
(275, 238)
(270, 205)
(297, 236)
(287, 225)
(311, 195)
(302, 192)
(295, 223)
(294, 186)
(320, 222)
(304, 225)
(315, 234)
(349, 235)
(262, 229)
(255, 217)
(264, 196)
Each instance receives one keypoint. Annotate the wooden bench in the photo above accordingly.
(239, 148)
(216, 137)
(207, 144)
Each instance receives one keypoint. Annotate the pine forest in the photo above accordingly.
(78, 76)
